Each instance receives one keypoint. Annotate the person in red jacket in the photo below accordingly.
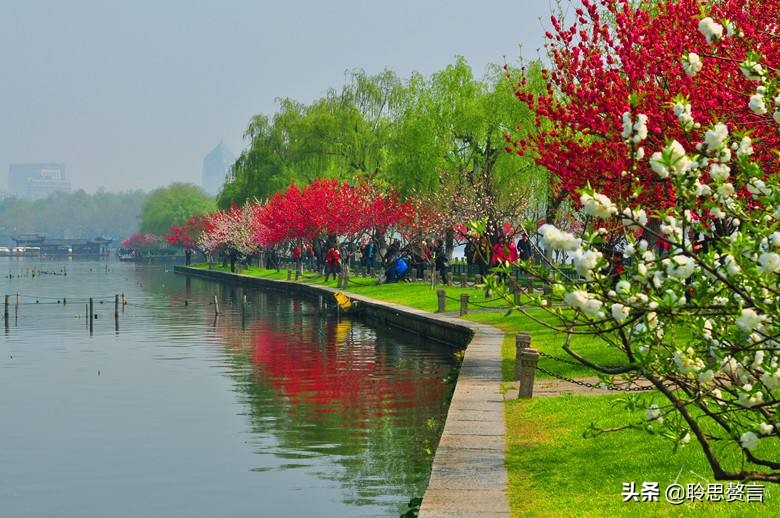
(332, 262)
(504, 252)
(297, 254)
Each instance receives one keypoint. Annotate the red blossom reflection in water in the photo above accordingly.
(339, 373)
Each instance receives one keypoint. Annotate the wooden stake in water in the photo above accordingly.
(243, 312)
(116, 311)
(216, 306)
(91, 315)
(5, 313)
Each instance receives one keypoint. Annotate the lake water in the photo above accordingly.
(181, 414)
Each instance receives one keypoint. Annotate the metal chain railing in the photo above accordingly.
(600, 386)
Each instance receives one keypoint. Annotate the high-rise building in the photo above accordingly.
(36, 181)
(216, 167)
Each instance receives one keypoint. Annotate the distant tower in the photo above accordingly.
(216, 167)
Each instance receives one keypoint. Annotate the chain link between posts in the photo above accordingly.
(599, 386)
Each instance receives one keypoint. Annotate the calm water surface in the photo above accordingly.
(179, 414)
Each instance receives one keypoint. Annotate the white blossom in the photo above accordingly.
(749, 440)
(711, 29)
(554, 238)
(598, 205)
(586, 261)
(692, 64)
(717, 213)
(748, 400)
(619, 312)
(640, 128)
(583, 301)
(770, 262)
(657, 165)
(680, 266)
(726, 190)
(719, 172)
(757, 105)
(758, 359)
(687, 362)
(715, 136)
(771, 380)
(765, 428)
(745, 147)
(627, 125)
(732, 267)
(683, 113)
(750, 320)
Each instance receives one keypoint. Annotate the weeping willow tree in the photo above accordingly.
(440, 137)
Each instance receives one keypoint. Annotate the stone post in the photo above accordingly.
(522, 341)
(464, 304)
(442, 299)
(289, 275)
(463, 278)
(529, 357)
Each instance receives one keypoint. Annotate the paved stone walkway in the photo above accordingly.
(469, 477)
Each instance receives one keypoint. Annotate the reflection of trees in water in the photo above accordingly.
(349, 405)
(332, 389)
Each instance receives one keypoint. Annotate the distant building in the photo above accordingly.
(36, 181)
(216, 167)
(59, 247)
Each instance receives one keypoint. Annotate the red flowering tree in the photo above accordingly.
(670, 110)
(615, 62)
(189, 235)
(326, 207)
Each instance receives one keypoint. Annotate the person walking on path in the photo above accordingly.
(421, 256)
(524, 248)
(369, 255)
(441, 262)
(332, 262)
(297, 255)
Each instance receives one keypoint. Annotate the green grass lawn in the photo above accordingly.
(418, 295)
(554, 471)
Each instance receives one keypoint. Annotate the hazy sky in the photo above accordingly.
(133, 94)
